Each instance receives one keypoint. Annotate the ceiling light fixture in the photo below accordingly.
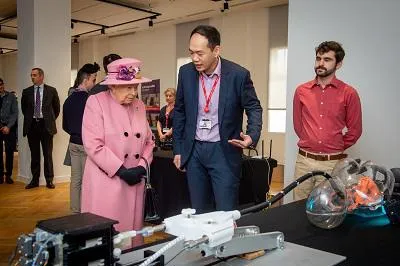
(72, 25)
(103, 31)
(151, 23)
(226, 5)
(76, 40)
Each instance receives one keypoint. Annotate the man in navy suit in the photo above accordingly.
(40, 106)
(211, 96)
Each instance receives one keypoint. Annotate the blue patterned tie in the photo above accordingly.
(37, 103)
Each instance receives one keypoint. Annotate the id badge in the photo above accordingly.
(165, 130)
(205, 123)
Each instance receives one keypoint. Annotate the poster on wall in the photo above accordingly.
(150, 93)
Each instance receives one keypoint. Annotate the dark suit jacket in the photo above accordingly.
(9, 110)
(98, 88)
(50, 108)
(236, 95)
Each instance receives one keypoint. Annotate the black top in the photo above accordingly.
(73, 109)
(163, 118)
(98, 88)
(1, 101)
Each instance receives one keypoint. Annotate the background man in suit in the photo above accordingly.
(40, 106)
(8, 121)
(208, 139)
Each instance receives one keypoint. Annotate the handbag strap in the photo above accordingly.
(147, 170)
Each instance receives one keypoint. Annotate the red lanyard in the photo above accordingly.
(166, 119)
(208, 99)
(167, 116)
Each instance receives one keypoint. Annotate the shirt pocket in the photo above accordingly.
(336, 109)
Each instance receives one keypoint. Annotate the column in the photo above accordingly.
(44, 40)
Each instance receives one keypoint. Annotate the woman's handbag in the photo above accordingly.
(150, 199)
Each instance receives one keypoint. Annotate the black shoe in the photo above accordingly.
(31, 185)
(50, 185)
(9, 180)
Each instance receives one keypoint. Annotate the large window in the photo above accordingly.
(277, 90)
(180, 62)
(74, 73)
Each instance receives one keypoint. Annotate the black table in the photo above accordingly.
(364, 241)
(170, 185)
(172, 188)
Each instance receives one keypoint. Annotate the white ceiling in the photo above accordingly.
(109, 15)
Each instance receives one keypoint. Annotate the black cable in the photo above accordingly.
(289, 188)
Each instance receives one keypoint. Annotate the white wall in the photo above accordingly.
(93, 50)
(244, 40)
(278, 37)
(370, 35)
(44, 41)
(8, 71)
(156, 48)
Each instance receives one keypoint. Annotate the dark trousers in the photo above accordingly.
(9, 141)
(213, 185)
(36, 136)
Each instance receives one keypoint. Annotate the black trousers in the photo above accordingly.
(10, 142)
(39, 135)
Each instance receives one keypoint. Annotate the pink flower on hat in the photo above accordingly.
(127, 73)
(124, 71)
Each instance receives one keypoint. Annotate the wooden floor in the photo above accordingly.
(21, 209)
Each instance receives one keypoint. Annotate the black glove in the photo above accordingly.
(131, 176)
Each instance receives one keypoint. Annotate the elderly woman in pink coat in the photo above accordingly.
(118, 142)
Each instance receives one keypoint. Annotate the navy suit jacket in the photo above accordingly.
(50, 108)
(236, 95)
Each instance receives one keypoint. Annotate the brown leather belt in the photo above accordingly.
(323, 157)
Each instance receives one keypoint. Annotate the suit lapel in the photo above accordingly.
(45, 95)
(223, 90)
(195, 81)
(31, 95)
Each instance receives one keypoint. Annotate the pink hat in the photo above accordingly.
(123, 72)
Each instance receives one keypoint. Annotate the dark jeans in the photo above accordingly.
(9, 141)
(36, 136)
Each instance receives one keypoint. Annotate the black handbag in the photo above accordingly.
(150, 199)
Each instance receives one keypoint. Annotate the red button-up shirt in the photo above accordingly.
(327, 120)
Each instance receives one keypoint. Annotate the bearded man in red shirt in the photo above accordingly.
(326, 116)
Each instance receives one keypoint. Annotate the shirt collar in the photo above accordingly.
(217, 70)
(335, 83)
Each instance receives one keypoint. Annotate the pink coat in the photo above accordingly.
(114, 135)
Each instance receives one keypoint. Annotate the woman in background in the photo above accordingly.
(73, 109)
(164, 123)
